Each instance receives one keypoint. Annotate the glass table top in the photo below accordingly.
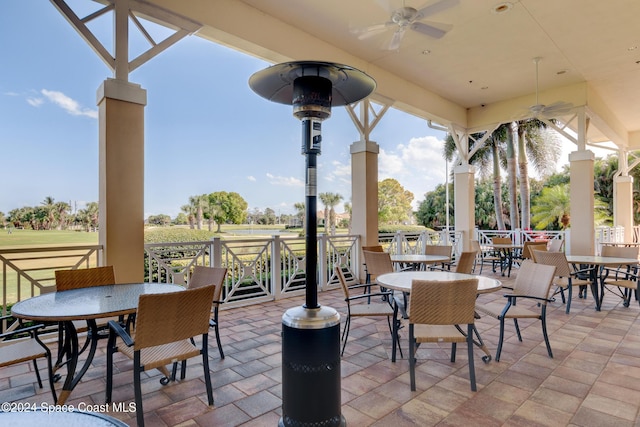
(87, 303)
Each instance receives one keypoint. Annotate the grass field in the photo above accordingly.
(46, 238)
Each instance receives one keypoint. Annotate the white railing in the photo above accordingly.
(258, 269)
(27, 272)
(414, 243)
(518, 236)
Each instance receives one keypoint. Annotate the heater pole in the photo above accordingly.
(311, 150)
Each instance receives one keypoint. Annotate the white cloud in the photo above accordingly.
(251, 178)
(284, 181)
(35, 102)
(69, 105)
(418, 166)
(340, 172)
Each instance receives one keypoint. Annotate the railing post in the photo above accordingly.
(276, 267)
(215, 257)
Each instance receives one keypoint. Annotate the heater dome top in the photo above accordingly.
(349, 85)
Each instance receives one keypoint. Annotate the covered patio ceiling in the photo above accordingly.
(481, 72)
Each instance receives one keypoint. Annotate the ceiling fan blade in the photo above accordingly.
(396, 39)
(436, 7)
(431, 29)
(372, 30)
(556, 109)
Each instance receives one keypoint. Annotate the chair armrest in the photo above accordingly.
(119, 330)
(513, 297)
(369, 295)
(360, 285)
(28, 329)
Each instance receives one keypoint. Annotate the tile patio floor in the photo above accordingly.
(593, 379)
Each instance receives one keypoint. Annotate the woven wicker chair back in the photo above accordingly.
(84, 278)
(343, 283)
(557, 259)
(555, 245)
(620, 251)
(378, 262)
(534, 279)
(443, 303)
(206, 276)
(172, 317)
(443, 250)
(466, 262)
(501, 240)
(529, 246)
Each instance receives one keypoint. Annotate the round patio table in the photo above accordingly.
(418, 259)
(402, 281)
(88, 304)
(595, 262)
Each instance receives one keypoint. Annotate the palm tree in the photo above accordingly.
(330, 200)
(300, 210)
(190, 211)
(199, 203)
(511, 176)
(61, 211)
(543, 148)
(334, 199)
(553, 206)
(49, 217)
(488, 155)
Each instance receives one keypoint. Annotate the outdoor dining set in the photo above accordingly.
(428, 298)
(436, 296)
(155, 325)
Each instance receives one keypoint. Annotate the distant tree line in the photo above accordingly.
(52, 215)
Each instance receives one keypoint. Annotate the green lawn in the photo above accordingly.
(46, 238)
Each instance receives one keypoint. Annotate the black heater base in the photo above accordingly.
(311, 394)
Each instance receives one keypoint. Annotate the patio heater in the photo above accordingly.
(311, 333)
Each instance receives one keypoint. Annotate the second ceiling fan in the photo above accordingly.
(542, 111)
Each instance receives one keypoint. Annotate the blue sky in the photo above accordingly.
(205, 130)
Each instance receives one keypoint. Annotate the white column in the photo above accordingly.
(582, 203)
(364, 192)
(121, 171)
(465, 204)
(623, 205)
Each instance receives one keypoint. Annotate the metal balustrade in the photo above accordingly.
(29, 271)
(259, 269)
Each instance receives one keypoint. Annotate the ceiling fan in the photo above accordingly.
(542, 111)
(407, 17)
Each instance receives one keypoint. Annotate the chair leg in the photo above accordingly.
(35, 367)
(569, 297)
(500, 339)
(345, 333)
(454, 347)
(51, 378)
(472, 366)
(137, 386)
(205, 367)
(543, 318)
(110, 349)
(215, 328)
(515, 322)
(412, 358)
